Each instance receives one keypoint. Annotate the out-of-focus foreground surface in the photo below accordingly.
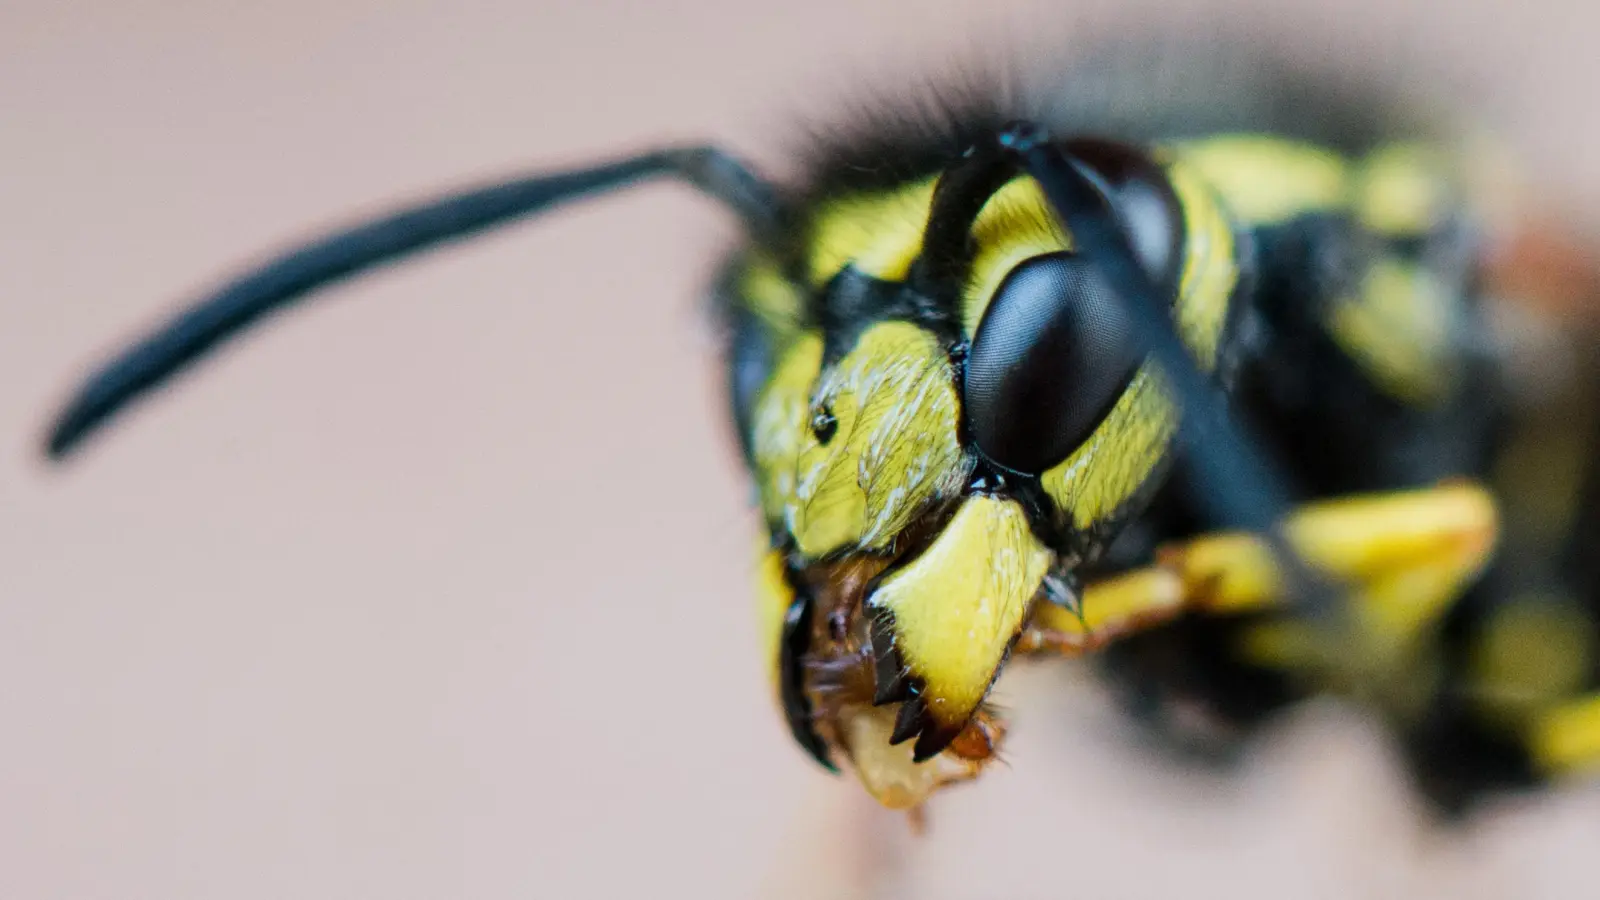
(439, 588)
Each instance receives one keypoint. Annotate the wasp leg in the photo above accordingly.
(1403, 557)
(1110, 609)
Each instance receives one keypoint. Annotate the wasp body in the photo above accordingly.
(1199, 374)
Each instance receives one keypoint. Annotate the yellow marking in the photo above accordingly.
(779, 424)
(1210, 265)
(1534, 652)
(1099, 477)
(774, 299)
(880, 233)
(1566, 740)
(957, 606)
(773, 596)
(1118, 457)
(894, 446)
(1403, 190)
(1266, 180)
(1398, 329)
(1015, 225)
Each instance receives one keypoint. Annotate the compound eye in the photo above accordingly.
(1051, 355)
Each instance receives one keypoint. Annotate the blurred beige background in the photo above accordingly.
(439, 588)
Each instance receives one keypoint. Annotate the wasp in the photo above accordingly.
(1201, 378)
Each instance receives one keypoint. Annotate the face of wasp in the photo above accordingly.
(940, 431)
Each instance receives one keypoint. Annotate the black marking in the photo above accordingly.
(935, 739)
(890, 681)
(988, 480)
(958, 353)
(824, 424)
(947, 245)
(910, 720)
(791, 680)
(853, 301)
(1026, 491)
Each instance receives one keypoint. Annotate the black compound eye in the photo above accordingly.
(1050, 357)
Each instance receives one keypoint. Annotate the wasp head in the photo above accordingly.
(901, 588)
(954, 410)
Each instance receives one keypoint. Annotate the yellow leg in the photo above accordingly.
(1111, 609)
(1404, 557)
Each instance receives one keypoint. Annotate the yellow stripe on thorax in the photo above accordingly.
(1403, 190)
(1265, 180)
(1396, 326)
(1396, 190)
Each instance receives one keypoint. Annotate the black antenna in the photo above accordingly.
(211, 322)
